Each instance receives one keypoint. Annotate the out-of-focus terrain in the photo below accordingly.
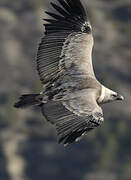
(28, 148)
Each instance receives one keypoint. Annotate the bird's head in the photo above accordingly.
(108, 95)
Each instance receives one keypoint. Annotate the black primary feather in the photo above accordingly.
(72, 16)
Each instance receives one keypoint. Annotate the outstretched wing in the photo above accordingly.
(67, 44)
(74, 118)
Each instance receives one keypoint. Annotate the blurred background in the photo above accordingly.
(28, 146)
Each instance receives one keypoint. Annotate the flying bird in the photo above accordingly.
(71, 95)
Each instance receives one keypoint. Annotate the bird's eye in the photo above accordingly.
(114, 95)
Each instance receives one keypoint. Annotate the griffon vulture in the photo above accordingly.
(71, 93)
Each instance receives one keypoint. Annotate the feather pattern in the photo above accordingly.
(72, 18)
(74, 117)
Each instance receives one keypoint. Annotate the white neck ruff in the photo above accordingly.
(101, 98)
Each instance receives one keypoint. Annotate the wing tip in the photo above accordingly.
(71, 12)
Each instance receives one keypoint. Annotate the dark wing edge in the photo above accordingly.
(72, 19)
(69, 126)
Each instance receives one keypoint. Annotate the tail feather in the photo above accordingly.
(28, 100)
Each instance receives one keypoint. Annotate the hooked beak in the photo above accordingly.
(120, 97)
